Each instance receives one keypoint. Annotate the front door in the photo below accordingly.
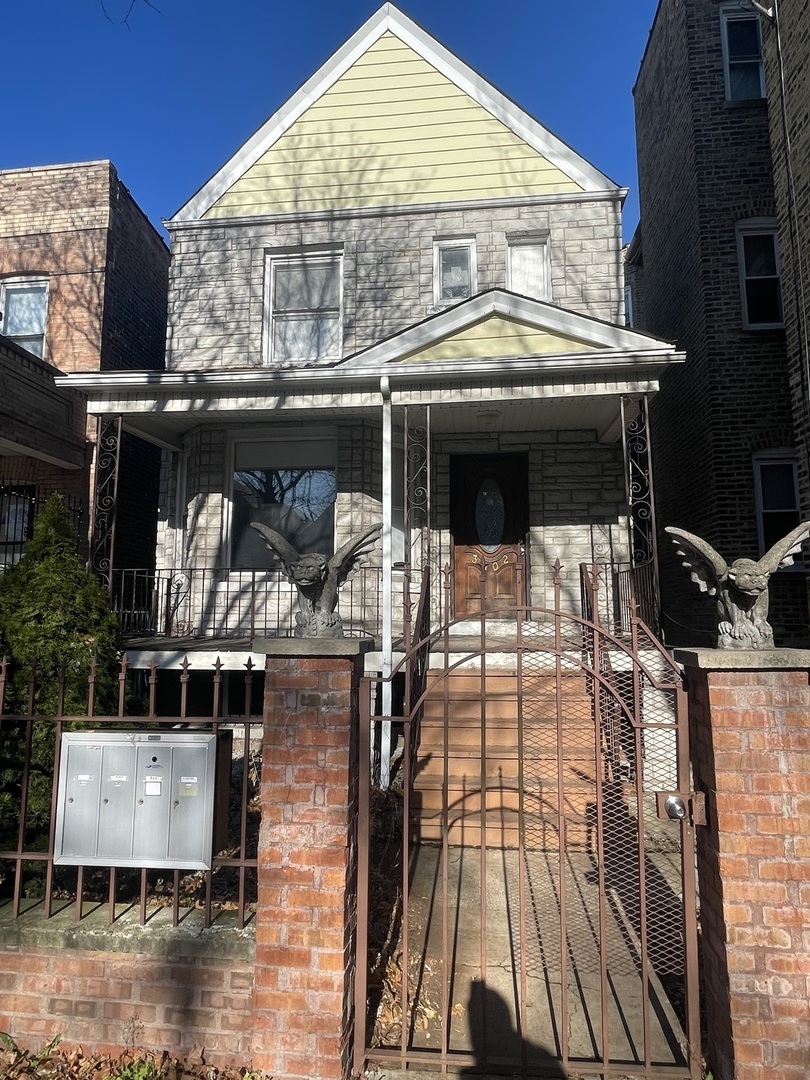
(489, 503)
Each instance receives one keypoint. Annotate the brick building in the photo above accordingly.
(707, 261)
(83, 281)
(786, 41)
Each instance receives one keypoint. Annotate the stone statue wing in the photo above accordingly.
(706, 566)
(782, 554)
(347, 556)
(278, 545)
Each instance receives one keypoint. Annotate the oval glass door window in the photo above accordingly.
(489, 515)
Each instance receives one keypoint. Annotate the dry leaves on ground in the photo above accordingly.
(54, 1063)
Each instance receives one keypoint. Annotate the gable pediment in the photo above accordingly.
(501, 326)
(393, 118)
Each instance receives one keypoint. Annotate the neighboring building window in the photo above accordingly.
(742, 53)
(454, 270)
(304, 307)
(628, 305)
(527, 270)
(16, 522)
(24, 305)
(289, 486)
(760, 283)
(777, 497)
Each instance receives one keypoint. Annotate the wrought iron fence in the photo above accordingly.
(30, 754)
(183, 602)
(613, 593)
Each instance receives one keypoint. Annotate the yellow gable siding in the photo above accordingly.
(497, 337)
(391, 131)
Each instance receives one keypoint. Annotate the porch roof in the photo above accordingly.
(475, 352)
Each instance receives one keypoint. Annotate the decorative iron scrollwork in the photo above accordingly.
(107, 460)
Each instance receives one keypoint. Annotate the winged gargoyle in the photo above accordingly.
(318, 579)
(741, 588)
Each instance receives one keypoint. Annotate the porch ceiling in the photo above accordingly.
(599, 413)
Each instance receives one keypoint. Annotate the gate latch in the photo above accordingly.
(677, 806)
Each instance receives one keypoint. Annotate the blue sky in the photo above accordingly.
(171, 96)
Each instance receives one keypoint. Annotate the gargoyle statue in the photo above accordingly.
(741, 589)
(318, 579)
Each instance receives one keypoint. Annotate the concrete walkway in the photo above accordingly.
(511, 992)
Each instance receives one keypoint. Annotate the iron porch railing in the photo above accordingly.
(204, 602)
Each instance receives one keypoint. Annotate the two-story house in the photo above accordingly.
(83, 279)
(401, 300)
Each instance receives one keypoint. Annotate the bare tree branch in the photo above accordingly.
(132, 5)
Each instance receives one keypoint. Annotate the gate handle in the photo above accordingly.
(681, 806)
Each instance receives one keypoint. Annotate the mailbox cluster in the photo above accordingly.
(145, 798)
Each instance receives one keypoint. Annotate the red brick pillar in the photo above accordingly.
(750, 720)
(305, 922)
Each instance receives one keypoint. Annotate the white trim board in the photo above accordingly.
(535, 313)
(390, 18)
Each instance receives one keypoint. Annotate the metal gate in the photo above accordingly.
(527, 898)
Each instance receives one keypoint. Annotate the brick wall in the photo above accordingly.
(307, 899)
(794, 29)
(704, 165)
(217, 276)
(751, 756)
(107, 1000)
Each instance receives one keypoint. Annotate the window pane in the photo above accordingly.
(777, 525)
(778, 482)
(455, 273)
(760, 255)
(297, 503)
(763, 300)
(743, 39)
(307, 287)
(25, 307)
(306, 337)
(527, 270)
(744, 82)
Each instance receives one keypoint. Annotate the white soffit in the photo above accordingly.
(536, 314)
(390, 18)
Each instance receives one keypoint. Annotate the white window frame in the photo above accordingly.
(629, 307)
(758, 227)
(302, 257)
(284, 440)
(24, 281)
(443, 245)
(774, 457)
(740, 11)
(537, 240)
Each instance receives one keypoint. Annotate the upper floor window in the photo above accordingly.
(527, 270)
(304, 307)
(777, 496)
(760, 278)
(742, 52)
(24, 306)
(454, 270)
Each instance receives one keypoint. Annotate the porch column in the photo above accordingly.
(387, 578)
(303, 1022)
(102, 543)
(751, 757)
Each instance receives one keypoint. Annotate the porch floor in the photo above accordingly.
(524, 962)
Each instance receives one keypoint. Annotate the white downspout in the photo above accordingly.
(387, 576)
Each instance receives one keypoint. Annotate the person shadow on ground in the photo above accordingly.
(498, 1046)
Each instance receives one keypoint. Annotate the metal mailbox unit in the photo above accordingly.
(145, 798)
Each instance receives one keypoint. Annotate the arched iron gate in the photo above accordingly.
(526, 903)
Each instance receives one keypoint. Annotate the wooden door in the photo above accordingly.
(489, 520)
